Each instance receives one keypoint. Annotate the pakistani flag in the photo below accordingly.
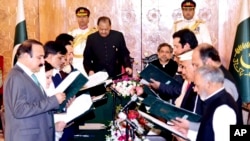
(20, 31)
(240, 59)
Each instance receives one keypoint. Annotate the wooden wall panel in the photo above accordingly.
(52, 19)
(8, 10)
(145, 23)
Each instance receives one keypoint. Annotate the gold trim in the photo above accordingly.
(78, 56)
(81, 37)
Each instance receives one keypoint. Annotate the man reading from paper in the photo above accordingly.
(106, 50)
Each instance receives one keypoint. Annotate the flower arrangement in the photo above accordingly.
(118, 127)
(127, 86)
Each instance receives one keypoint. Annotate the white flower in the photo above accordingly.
(134, 83)
(119, 84)
(125, 83)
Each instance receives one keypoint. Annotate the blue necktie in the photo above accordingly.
(57, 79)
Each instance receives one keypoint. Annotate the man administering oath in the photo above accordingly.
(106, 50)
(80, 36)
(197, 26)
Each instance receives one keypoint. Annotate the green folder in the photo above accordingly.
(70, 86)
(150, 98)
(169, 111)
(152, 71)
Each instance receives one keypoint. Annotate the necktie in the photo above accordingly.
(35, 80)
(57, 79)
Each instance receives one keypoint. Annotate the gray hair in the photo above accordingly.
(211, 74)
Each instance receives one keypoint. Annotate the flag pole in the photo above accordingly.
(20, 29)
(240, 58)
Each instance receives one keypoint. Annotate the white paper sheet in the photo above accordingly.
(78, 107)
(162, 124)
(96, 79)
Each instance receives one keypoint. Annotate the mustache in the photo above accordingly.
(40, 65)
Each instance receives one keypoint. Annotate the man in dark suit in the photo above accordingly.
(55, 55)
(206, 54)
(183, 41)
(165, 61)
(106, 50)
(66, 40)
(28, 113)
(217, 105)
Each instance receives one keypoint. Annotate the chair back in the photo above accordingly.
(149, 59)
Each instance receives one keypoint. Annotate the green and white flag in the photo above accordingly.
(20, 30)
(240, 59)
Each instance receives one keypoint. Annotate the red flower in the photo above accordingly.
(142, 121)
(132, 114)
(122, 138)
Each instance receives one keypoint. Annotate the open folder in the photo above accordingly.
(163, 125)
(79, 106)
(155, 73)
(70, 86)
(169, 111)
(96, 79)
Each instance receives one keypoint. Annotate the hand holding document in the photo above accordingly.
(152, 71)
(167, 110)
(164, 125)
(78, 107)
(73, 76)
(70, 86)
(96, 79)
(144, 82)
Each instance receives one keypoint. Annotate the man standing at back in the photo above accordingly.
(80, 35)
(106, 50)
(28, 110)
(197, 26)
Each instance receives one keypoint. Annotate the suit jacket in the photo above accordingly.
(206, 130)
(170, 68)
(109, 53)
(28, 113)
(190, 99)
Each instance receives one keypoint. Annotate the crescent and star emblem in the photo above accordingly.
(245, 65)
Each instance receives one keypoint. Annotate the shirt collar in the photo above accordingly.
(189, 21)
(214, 93)
(25, 69)
(55, 71)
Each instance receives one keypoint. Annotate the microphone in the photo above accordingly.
(133, 99)
(123, 116)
